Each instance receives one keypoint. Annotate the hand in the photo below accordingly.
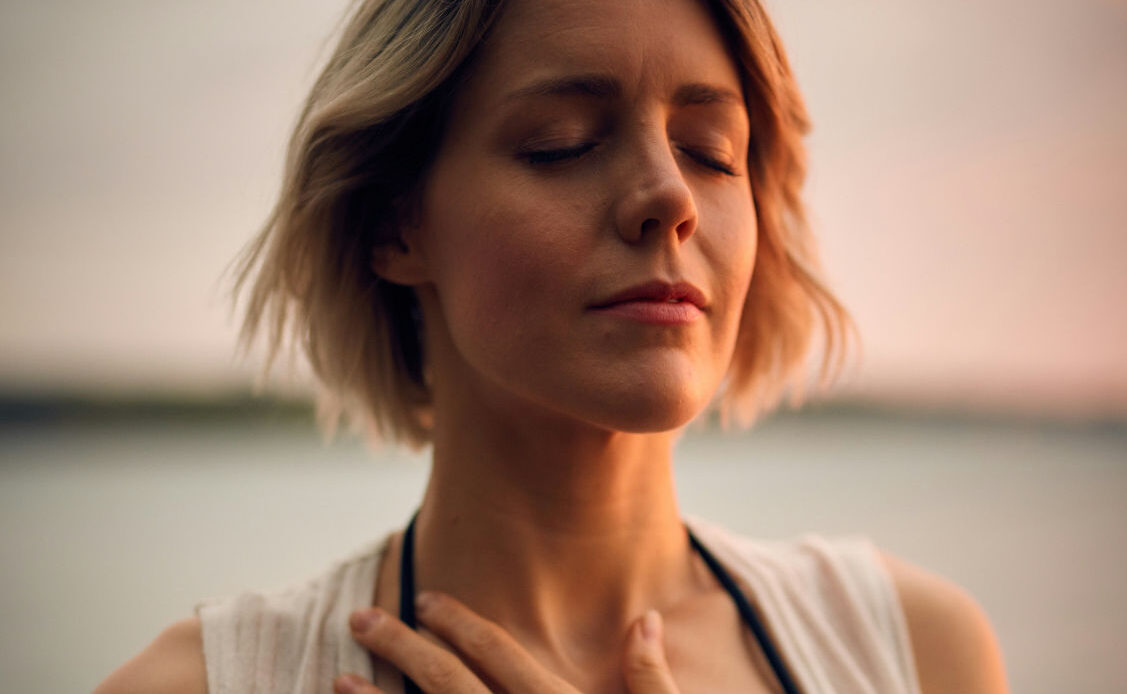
(484, 647)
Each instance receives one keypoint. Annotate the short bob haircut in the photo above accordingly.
(367, 134)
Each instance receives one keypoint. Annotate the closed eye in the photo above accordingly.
(551, 156)
(708, 161)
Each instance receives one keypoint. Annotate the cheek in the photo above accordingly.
(502, 261)
(731, 252)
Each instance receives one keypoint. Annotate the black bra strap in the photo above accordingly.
(749, 615)
(407, 591)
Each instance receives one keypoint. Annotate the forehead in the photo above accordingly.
(645, 45)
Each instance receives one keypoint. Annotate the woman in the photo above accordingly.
(542, 235)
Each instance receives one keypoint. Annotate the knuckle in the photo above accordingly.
(481, 640)
(644, 663)
(438, 673)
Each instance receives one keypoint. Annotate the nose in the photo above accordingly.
(656, 199)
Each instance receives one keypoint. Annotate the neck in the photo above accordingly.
(560, 533)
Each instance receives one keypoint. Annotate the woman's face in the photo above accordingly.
(587, 229)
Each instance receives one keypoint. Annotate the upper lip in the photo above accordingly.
(658, 290)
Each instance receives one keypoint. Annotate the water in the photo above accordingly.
(110, 531)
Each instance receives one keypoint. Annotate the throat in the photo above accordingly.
(566, 572)
(572, 593)
(562, 539)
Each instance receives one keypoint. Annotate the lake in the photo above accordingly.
(111, 529)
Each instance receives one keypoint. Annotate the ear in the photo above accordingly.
(400, 261)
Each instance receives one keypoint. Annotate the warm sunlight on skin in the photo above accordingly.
(582, 163)
(595, 147)
(582, 248)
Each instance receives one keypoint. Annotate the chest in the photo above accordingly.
(730, 664)
(709, 650)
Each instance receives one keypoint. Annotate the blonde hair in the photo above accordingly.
(370, 128)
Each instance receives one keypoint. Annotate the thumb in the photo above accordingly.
(644, 664)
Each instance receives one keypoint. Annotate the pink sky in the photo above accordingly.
(969, 183)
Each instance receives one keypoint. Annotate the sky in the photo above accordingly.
(968, 185)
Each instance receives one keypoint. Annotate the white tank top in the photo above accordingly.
(830, 607)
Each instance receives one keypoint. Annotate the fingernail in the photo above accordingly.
(347, 684)
(363, 620)
(424, 600)
(651, 625)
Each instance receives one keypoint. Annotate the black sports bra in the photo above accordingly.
(747, 612)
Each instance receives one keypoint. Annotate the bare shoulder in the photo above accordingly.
(953, 643)
(172, 664)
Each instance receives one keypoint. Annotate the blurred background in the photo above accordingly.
(968, 183)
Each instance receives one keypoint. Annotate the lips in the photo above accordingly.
(658, 303)
(658, 292)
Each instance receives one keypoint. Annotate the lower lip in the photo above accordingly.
(655, 312)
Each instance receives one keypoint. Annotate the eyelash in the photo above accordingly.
(554, 156)
(711, 163)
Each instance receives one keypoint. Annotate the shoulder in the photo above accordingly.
(172, 664)
(829, 604)
(259, 641)
(952, 641)
(898, 623)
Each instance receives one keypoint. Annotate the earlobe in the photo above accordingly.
(399, 261)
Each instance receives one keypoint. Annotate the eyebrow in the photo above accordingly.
(605, 87)
(600, 86)
(699, 93)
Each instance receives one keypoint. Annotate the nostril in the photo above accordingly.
(685, 229)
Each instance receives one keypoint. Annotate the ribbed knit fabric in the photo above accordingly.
(831, 609)
(830, 606)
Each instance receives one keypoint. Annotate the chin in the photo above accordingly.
(637, 400)
(650, 412)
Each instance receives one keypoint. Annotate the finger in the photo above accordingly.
(354, 684)
(490, 649)
(644, 664)
(434, 669)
